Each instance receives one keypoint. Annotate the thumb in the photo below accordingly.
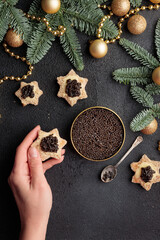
(35, 165)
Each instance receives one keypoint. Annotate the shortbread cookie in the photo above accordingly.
(49, 144)
(72, 87)
(146, 171)
(29, 93)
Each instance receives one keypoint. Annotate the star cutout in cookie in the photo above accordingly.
(49, 144)
(146, 171)
(29, 93)
(72, 87)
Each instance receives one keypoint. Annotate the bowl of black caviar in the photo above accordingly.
(97, 133)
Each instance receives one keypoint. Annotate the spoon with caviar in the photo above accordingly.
(110, 172)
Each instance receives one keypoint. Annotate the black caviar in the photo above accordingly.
(147, 174)
(49, 144)
(97, 133)
(27, 91)
(73, 88)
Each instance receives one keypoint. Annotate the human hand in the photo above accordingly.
(31, 189)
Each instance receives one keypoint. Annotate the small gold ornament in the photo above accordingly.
(13, 39)
(50, 6)
(98, 48)
(120, 7)
(137, 24)
(155, 1)
(151, 128)
(156, 76)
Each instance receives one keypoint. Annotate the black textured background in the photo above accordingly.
(84, 208)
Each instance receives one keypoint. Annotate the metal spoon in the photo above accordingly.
(110, 172)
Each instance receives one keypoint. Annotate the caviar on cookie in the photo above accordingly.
(49, 144)
(72, 87)
(29, 93)
(146, 171)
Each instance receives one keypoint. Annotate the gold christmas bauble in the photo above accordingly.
(98, 48)
(50, 6)
(156, 76)
(155, 1)
(151, 128)
(120, 7)
(13, 39)
(137, 24)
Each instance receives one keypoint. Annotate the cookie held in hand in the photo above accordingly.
(29, 93)
(146, 171)
(49, 144)
(72, 87)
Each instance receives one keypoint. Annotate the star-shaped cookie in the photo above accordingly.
(146, 171)
(49, 144)
(72, 87)
(29, 93)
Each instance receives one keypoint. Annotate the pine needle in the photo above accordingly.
(139, 53)
(133, 76)
(157, 39)
(135, 3)
(153, 89)
(142, 96)
(142, 120)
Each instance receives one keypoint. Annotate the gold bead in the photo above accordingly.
(156, 6)
(38, 18)
(104, 6)
(5, 78)
(131, 11)
(137, 9)
(99, 35)
(28, 15)
(49, 29)
(54, 33)
(111, 13)
(4, 45)
(7, 50)
(143, 8)
(1, 81)
(60, 27)
(23, 59)
(99, 5)
(17, 56)
(120, 31)
(64, 29)
(119, 24)
(29, 73)
(24, 13)
(44, 19)
(28, 63)
(60, 34)
(103, 19)
(106, 41)
(33, 17)
(24, 77)
(118, 37)
(150, 7)
(47, 23)
(100, 24)
(99, 30)
(109, 8)
(18, 78)
(11, 77)
(127, 15)
(102, 39)
(122, 20)
(12, 54)
(112, 40)
(31, 67)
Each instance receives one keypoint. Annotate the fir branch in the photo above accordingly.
(157, 39)
(4, 20)
(136, 75)
(87, 19)
(71, 45)
(142, 96)
(139, 53)
(153, 89)
(142, 120)
(19, 22)
(135, 3)
(35, 8)
(156, 110)
(39, 44)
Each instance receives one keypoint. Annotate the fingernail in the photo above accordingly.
(32, 152)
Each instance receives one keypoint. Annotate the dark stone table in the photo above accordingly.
(84, 208)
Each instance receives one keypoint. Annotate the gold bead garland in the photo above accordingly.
(121, 20)
(23, 59)
(58, 32)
